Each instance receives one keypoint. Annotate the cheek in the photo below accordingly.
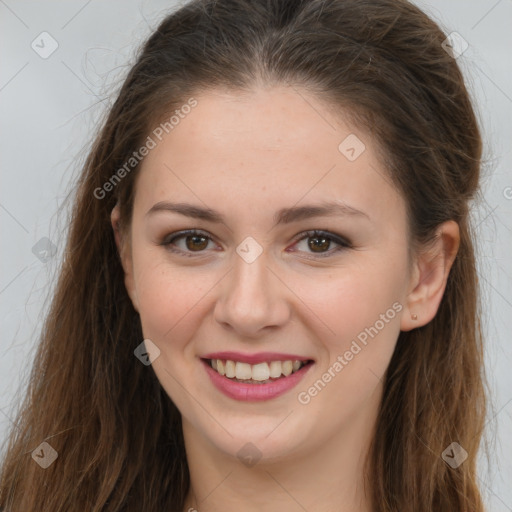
(363, 313)
(169, 298)
(353, 298)
(361, 309)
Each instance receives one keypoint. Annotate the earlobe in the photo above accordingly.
(432, 268)
(123, 249)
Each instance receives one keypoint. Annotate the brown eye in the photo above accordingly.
(320, 243)
(195, 241)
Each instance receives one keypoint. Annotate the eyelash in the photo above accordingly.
(342, 242)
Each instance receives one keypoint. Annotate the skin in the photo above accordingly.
(246, 156)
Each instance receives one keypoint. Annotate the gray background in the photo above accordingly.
(49, 107)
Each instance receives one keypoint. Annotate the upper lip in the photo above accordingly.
(260, 357)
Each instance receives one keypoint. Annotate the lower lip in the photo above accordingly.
(254, 392)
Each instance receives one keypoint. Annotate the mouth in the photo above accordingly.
(257, 377)
(261, 373)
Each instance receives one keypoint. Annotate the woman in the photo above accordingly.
(199, 354)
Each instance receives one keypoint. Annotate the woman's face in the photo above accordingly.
(254, 286)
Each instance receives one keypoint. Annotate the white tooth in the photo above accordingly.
(230, 369)
(243, 371)
(214, 364)
(220, 367)
(260, 371)
(296, 365)
(275, 369)
(287, 367)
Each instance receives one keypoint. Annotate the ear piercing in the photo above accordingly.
(414, 317)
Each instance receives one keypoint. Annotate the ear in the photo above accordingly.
(430, 276)
(124, 250)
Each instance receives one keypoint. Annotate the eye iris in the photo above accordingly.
(195, 238)
(324, 244)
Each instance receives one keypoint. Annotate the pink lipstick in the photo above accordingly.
(266, 386)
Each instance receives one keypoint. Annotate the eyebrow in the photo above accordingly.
(283, 216)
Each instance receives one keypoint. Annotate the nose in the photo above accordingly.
(253, 298)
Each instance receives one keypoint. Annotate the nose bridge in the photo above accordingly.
(250, 289)
(251, 298)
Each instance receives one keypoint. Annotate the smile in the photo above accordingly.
(260, 373)
(261, 380)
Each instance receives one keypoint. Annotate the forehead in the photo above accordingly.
(267, 148)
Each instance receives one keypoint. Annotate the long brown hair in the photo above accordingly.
(117, 434)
